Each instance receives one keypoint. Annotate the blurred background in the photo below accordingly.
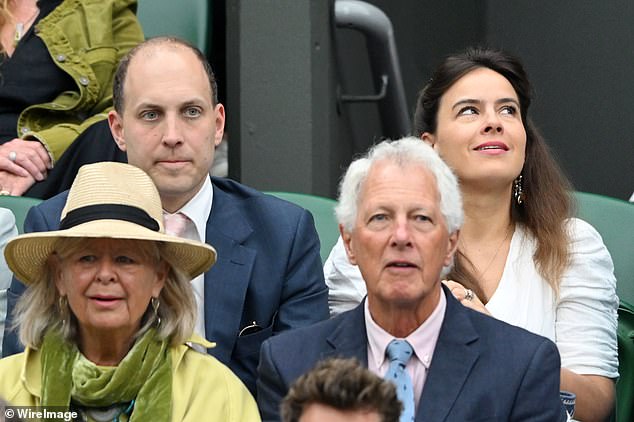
(286, 67)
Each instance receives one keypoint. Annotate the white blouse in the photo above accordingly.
(582, 321)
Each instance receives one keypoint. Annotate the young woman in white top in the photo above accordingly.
(521, 258)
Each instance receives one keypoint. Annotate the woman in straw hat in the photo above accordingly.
(109, 312)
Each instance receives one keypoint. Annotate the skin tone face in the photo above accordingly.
(480, 133)
(400, 243)
(317, 412)
(109, 284)
(169, 126)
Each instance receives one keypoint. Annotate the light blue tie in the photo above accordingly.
(399, 352)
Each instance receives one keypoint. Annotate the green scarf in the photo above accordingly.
(144, 375)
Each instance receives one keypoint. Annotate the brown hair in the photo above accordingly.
(344, 385)
(546, 201)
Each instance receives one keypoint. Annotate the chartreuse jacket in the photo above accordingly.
(86, 39)
(203, 389)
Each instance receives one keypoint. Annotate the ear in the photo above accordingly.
(347, 243)
(452, 246)
(116, 128)
(161, 278)
(429, 138)
(220, 123)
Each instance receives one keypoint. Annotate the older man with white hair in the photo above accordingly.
(400, 212)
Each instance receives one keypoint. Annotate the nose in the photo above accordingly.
(105, 271)
(402, 236)
(493, 124)
(173, 131)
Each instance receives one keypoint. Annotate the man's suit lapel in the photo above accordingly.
(455, 354)
(227, 281)
(349, 338)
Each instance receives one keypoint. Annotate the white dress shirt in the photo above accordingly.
(197, 211)
(423, 340)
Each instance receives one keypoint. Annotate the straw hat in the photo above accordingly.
(108, 200)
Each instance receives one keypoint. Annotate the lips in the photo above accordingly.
(401, 264)
(174, 161)
(486, 146)
(105, 299)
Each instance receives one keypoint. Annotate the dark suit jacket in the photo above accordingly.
(482, 369)
(268, 271)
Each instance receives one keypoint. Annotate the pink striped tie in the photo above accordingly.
(175, 224)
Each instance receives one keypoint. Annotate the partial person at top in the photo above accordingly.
(341, 390)
(57, 62)
(268, 277)
(521, 258)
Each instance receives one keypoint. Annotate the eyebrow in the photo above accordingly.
(470, 101)
(154, 105)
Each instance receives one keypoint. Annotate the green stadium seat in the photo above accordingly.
(188, 20)
(323, 211)
(20, 206)
(625, 384)
(614, 220)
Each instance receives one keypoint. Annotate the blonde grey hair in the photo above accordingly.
(40, 308)
(403, 152)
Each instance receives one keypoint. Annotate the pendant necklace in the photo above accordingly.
(497, 250)
(19, 27)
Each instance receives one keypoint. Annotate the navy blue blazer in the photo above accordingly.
(482, 369)
(268, 271)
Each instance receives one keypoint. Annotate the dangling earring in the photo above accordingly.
(518, 190)
(156, 303)
(64, 311)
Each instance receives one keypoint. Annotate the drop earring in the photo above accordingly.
(518, 190)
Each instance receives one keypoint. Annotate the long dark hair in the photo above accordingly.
(546, 201)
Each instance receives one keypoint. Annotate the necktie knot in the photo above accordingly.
(175, 224)
(400, 351)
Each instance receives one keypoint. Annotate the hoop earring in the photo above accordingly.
(63, 309)
(156, 303)
(518, 190)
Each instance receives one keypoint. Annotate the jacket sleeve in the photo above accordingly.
(537, 398)
(126, 33)
(270, 386)
(586, 320)
(305, 295)
(346, 288)
(203, 389)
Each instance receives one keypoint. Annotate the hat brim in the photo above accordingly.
(26, 255)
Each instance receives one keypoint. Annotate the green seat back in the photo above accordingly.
(323, 211)
(614, 220)
(188, 20)
(19, 205)
(625, 384)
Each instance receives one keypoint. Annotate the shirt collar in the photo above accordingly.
(198, 208)
(423, 340)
